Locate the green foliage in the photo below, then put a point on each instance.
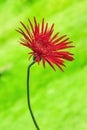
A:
(58, 99)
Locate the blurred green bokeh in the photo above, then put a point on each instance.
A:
(59, 100)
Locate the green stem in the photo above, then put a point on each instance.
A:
(28, 96)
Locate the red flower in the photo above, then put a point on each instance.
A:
(44, 46)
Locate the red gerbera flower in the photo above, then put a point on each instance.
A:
(44, 45)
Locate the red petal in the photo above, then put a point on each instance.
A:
(35, 21)
(42, 30)
(57, 40)
(31, 25)
(50, 64)
(54, 37)
(46, 28)
(27, 29)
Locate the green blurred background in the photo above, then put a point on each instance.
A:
(59, 100)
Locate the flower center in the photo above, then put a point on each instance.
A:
(41, 47)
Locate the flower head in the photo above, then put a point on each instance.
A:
(44, 45)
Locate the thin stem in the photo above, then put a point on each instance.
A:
(28, 96)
